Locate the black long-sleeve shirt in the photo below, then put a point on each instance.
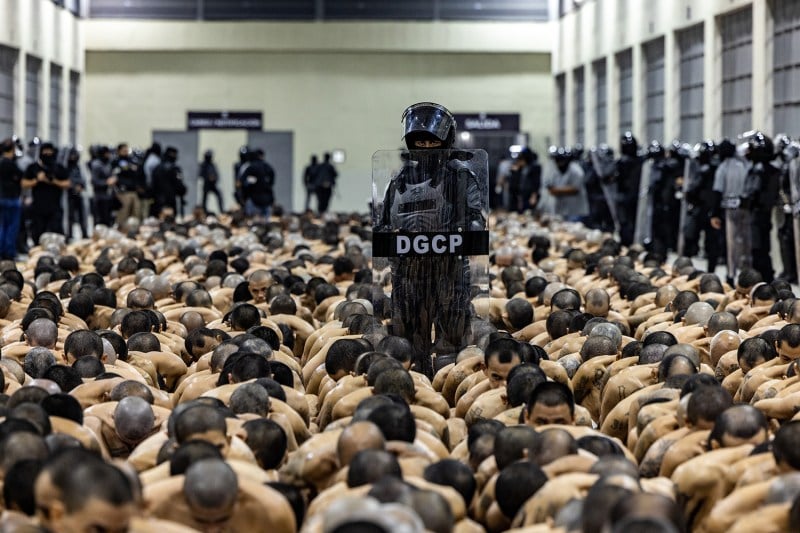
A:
(10, 179)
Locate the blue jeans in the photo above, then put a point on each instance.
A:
(10, 216)
(252, 210)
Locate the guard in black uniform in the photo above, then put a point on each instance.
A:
(629, 172)
(601, 175)
(51, 182)
(765, 180)
(666, 180)
(701, 204)
(786, 151)
(76, 213)
(434, 202)
(168, 186)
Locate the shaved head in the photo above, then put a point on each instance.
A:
(134, 419)
(258, 283)
(665, 295)
(192, 320)
(140, 299)
(722, 343)
(42, 332)
(210, 485)
(698, 314)
(597, 302)
(356, 437)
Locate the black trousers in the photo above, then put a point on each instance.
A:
(76, 214)
(323, 198)
(786, 241)
(626, 211)
(46, 219)
(431, 294)
(102, 210)
(212, 189)
(697, 222)
(762, 225)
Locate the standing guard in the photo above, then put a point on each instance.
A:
(602, 189)
(651, 173)
(794, 187)
(700, 204)
(629, 171)
(762, 186)
(429, 226)
(787, 151)
(76, 212)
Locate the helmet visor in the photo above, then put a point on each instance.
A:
(428, 117)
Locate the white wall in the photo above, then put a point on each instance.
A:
(336, 85)
(39, 28)
(602, 28)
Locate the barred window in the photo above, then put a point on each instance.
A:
(737, 71)
(691, 45)
(654, 90)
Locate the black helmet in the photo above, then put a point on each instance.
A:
(577, 150)
(705, 150)
(760, 148)
(679, 149)
(604, 150)
(782, 146)
(603, 160)
(48, 146)
(655, 150)
(628, 145)
(726, 148)
(781, 142)
(428, 121)
(562, 155)
(528, 155)
(19, 148)
(244, 153)
(707, 146)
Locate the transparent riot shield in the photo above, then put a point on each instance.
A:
(431, 243)
(643, 234)
(794, 184)
(605, 167)
(690, 176)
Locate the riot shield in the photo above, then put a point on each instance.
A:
(643, 233)
(794, 184)
(605, 167)
(431, 243)
(690, 176)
